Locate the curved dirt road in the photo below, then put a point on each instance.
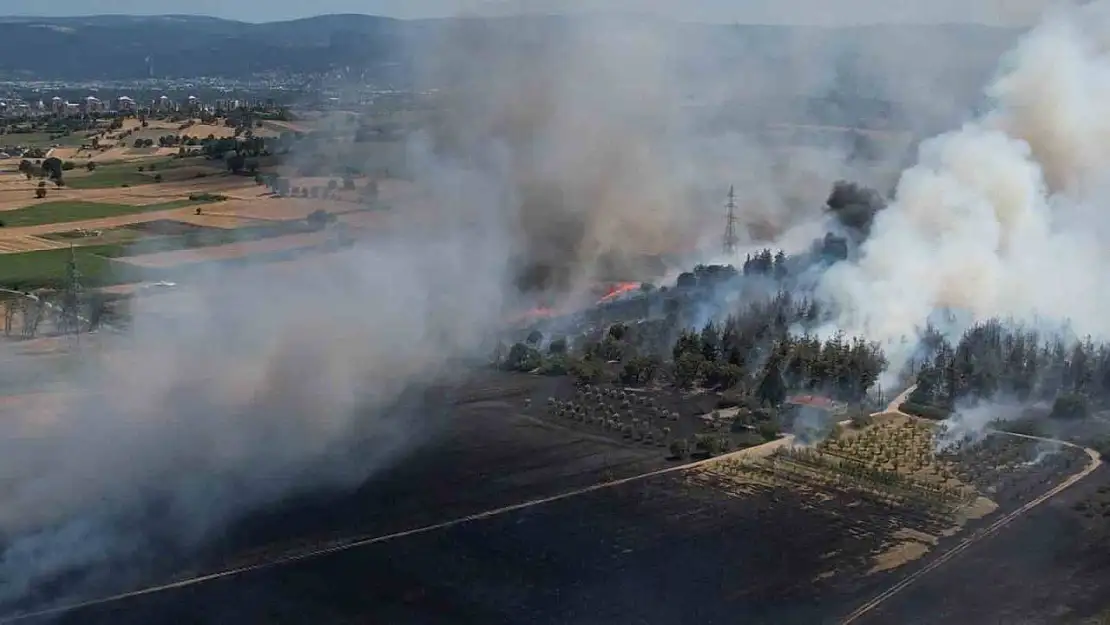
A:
(986, 532)
(363, 541)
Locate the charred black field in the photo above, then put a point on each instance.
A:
(773, 535)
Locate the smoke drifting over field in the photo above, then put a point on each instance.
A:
(1003, 217)
(562, 152)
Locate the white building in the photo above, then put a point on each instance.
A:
(125, 104)
(93, 105)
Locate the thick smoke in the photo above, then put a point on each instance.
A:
(1003, 217)
(564, 150)
(854, 207)
(618, 138)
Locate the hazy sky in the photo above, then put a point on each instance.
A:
(745, 11)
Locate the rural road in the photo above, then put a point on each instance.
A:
(364, 541)
(990, 530)
(358, 542)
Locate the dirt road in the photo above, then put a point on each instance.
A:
(364, 541)
(986, 532)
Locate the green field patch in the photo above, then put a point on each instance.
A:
(83, 237)
(118, 174)
(27, 271)
(47, 268)
(167, 235)
(42, 139)
(107, 179)
(61, 212)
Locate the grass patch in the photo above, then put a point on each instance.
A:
(118, 174)
(110, 179)
(62, 212)
(47, 268)
(42, 139)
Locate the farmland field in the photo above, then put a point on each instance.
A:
(61, 212)
(144, 173)
(42, 139)
(48, 267)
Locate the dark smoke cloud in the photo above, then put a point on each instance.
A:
(854, 207)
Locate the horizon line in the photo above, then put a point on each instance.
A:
(538, 14)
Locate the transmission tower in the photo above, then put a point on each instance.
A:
(71, 297)
(731, 239)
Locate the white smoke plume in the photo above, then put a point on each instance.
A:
(246, 388)
(1003, 217)
(558, 150)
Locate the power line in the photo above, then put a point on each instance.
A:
(731, 240)
(71, 297)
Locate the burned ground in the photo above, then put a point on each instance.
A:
(710, 544)
(661, 550)
(648, 418)
(1047, 567)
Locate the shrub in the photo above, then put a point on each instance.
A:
(206, 197)
(706, 444)
(861, 420)
(748, 439)
(925, 412)
(554, 365)
(680, 448)
(586, 371)
(769, 430)
(1070, 406)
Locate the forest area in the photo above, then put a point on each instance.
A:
(762, 347)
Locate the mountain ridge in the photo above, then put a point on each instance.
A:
(185, 46)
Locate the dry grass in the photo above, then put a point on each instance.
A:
(274, 209)
(16, 243)
(18, 192)
(280, 126)
(114, 154)
(892, 460)
(897, 444)
(900, 554)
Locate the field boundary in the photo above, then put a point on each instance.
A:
(986, 532)
(347, 544)
(364, 541)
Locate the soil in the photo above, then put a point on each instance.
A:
(275, 209)
(666, 414)
(679, 547)
(1044, 568)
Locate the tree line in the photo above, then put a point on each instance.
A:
(993, 360)
(764, 352)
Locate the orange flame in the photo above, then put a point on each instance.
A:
(619, 289)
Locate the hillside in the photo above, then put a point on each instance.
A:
(116, 47)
